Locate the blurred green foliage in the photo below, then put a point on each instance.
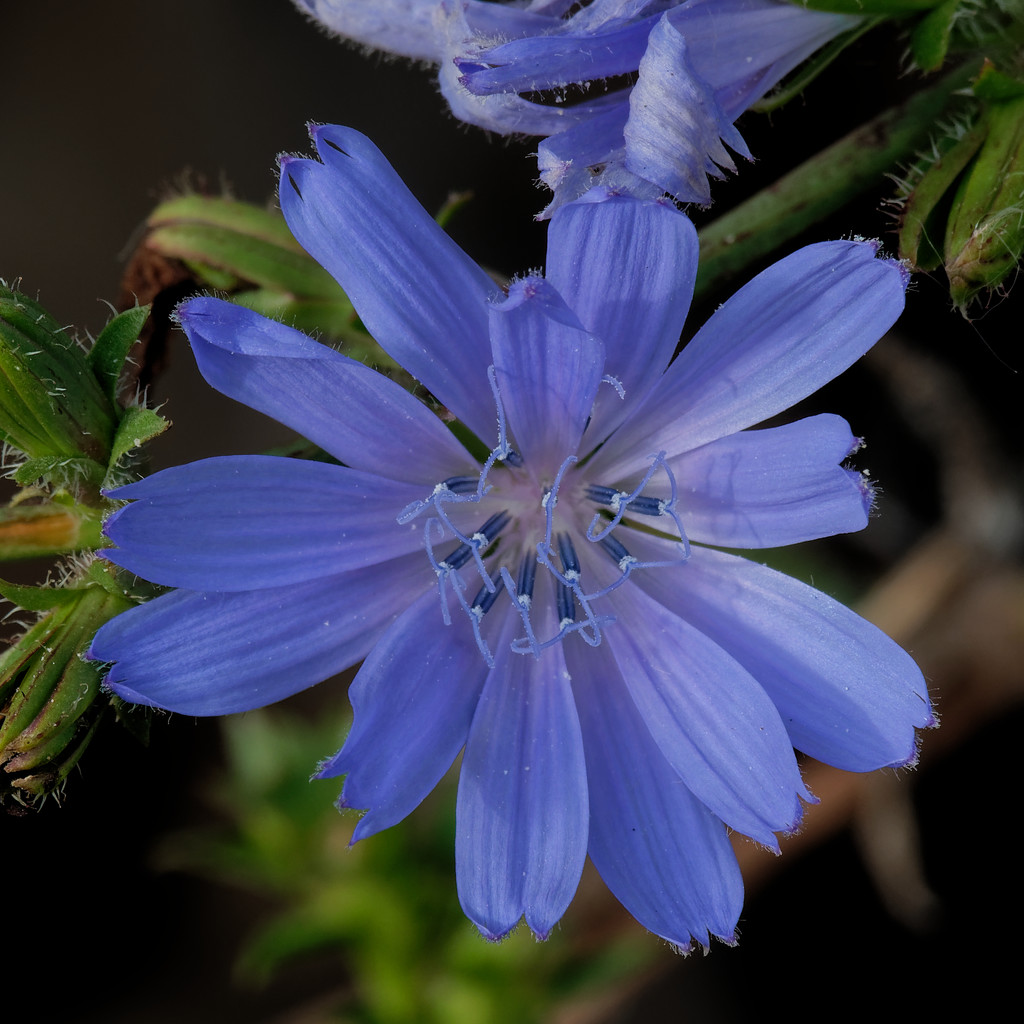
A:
(386, 907)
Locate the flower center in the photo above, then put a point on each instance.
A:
(487, 535)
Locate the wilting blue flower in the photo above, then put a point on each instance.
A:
(654, 86)
(620, 689)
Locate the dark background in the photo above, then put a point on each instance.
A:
(108, 105)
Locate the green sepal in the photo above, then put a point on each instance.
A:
(995, 87)
(923, 220)
(238, 241)
(38, 599)
(985, 233)
(36, 663)
(138, 425)
(929, 42)
(45, 736)
(69, 749)
(50, 402)
(110, 350)
(61, 471)
(46, 687)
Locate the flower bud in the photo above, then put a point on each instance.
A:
(54, 528)
(51, 405)
(985, 232)
(48, 707)
(248, 251)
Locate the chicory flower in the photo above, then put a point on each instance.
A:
(636, 95)
(553, 600)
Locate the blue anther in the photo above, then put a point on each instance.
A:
(602, 495)
(647, 506)
(513, 458)
(458, 558)
(617, 550)
(485, 598)
(493, 526)
(566, 606)
(527, 576)
(567, 553)
(460, 484)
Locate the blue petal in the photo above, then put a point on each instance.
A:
(349, 410)
(778, 339)
(744, 47)
(505, 113)
(626, 269)
(663, 854)
(768, 488)
(847, 693)
(405, 27)
(548, 371)
(560, 58)
(591, 154)
(676, 126)
(417, 292)
(413, 700)
(522, 805)
(214, 654)
(254, 521)
(716, 727)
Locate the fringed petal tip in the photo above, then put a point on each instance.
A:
(903, 267)
(912, 757)
(540, 934)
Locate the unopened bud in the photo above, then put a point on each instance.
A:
(48, 706)
(51, 405)
(985, 234)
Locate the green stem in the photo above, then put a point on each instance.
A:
(822, 184)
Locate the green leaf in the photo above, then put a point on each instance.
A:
(923, 220)
(38, 599)
(929, 41)
(59, 471)
(111, 349)
(137, 426)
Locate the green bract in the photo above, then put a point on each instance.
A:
(985, 233)
(964, 209)
(47, 692)
(51, 404)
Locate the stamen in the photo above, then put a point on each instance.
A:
(485, 598)
(605, 495)
(570, 560)
(622, 558)
(634, 501)
(484, 538)
(647, 506)
(502, 449)
(482, 604)
(460, 484)
(487, 533)
(566, 607)
(615, 383)
(457, 559)
(527, 577)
